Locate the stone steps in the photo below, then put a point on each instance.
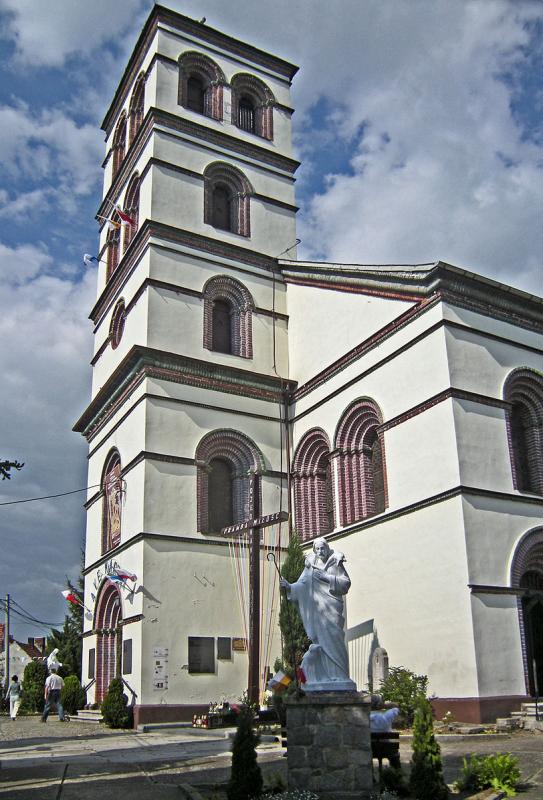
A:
(91, 715)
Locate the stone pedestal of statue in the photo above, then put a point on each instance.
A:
(329, 745)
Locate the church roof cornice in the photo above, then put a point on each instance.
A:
(160, 14)
(146, 362)
(415, 282)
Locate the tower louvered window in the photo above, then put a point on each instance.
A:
(246, 115)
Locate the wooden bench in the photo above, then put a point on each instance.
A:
(386, 744)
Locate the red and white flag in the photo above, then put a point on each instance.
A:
(124, 217)
(71, 597)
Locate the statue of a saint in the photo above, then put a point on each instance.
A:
(52, 660)
(318, 595)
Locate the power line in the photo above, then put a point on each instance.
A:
(29, 620)
(28, 614)
(48, 496)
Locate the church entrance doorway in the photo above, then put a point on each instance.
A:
(532, 611)
(107, 622)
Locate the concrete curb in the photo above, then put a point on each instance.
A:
(461, 737)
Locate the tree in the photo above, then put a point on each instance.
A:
(115, 709)
(295, 640)
(6, 466)
(404, 688)
(33, 683)
(426, 778)
(69, 640)
(245, 778)
(73, 696)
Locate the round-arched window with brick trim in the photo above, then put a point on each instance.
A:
(201, 83)
(117, 324)
(313, 486)
(360, 462)
(252, 105)
(523, 391)
(228, 312)
(227, 194)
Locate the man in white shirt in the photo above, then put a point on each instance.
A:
(53, 686)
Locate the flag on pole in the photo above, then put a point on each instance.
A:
(125, 218)
(89, 260)
(71, 597)
(279, 682)
(124, 575)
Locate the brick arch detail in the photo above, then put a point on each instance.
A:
(358, 426)
(136, 108)
(239, 185)
(107, 615)
(246, 462)
(132, 208)
(111, 483)
(119, 143)
(311, 483)
(524, 387)
(244, 84)
(116, 327)
(113, 242)
(223, 287)
(194, 64)
(528, 555)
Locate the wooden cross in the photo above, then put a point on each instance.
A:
(254, 526)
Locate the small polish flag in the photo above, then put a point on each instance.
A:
(71, 598)
(125, 219)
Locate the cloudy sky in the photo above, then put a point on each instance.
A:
(419, 124)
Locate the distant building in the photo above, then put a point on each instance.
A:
(20, 653)
(396, 409)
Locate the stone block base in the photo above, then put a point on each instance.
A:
(329, 745)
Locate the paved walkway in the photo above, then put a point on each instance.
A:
(78, 761)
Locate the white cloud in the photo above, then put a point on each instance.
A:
(46, 34)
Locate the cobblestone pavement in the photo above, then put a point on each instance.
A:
(78, 761)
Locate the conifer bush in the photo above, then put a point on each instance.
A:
(245, 778)
(33, 684)
(426, 779)
(404, 688)
(115, 709)
(72, 696)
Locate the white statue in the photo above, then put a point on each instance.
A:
(318, 595)
(52, 660)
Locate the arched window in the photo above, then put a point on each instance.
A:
(222, 207)
(527, 573)
(119, 144)
(313, 486)
(131, 209)
(360, 462)
(252, 105)
(524, 391)
(113, 242)
(228, 311)
(113, 495)
(246, 114)
(228, 486)
(226, 198)
(222, 327)
(108, 615)
(220, 494)
(201, 84)
(135, 111)
(116, 328)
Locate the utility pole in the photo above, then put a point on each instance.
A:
(6, 646)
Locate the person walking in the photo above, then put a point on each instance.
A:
(14, 694)
(53, 687)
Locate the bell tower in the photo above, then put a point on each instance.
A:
(190, 365)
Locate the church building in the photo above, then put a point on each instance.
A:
(395, 409)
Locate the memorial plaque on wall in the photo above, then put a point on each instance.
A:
(160, 668)
(239, 645)
(201, 654)
(224, 647)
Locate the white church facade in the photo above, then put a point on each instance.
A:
(398, 410)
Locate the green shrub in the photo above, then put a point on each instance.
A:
(405, 689)
(393, 781)
(73, 696)
(115, 709)
(33, 685)
(498, 771)
(245, 777)
(426, 779)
